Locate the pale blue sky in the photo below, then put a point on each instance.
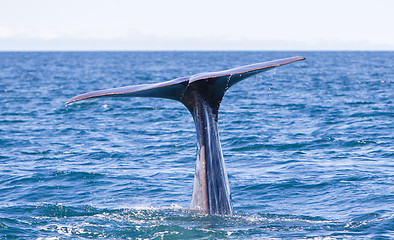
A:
(196, 25)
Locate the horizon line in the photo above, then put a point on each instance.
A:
(196, 50)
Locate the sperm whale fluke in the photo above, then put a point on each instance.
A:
(201, 94)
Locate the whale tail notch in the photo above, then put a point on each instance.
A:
(201, 94)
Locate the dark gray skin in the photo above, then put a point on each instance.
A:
(201, 94)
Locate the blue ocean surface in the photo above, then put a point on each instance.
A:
(309, 147)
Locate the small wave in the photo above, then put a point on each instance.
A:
(355, 143)
(357, 103)
(147, 222)
(266, 146)
(371, 114)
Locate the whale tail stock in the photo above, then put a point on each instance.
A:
(201, 94)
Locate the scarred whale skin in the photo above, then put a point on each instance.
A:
(201, 94)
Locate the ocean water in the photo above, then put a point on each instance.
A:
(309, 147)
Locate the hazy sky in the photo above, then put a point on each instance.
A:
(196, 25)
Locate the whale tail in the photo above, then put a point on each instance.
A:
(175, 89)
(201, 94)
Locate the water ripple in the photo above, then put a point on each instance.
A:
(308, 148)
